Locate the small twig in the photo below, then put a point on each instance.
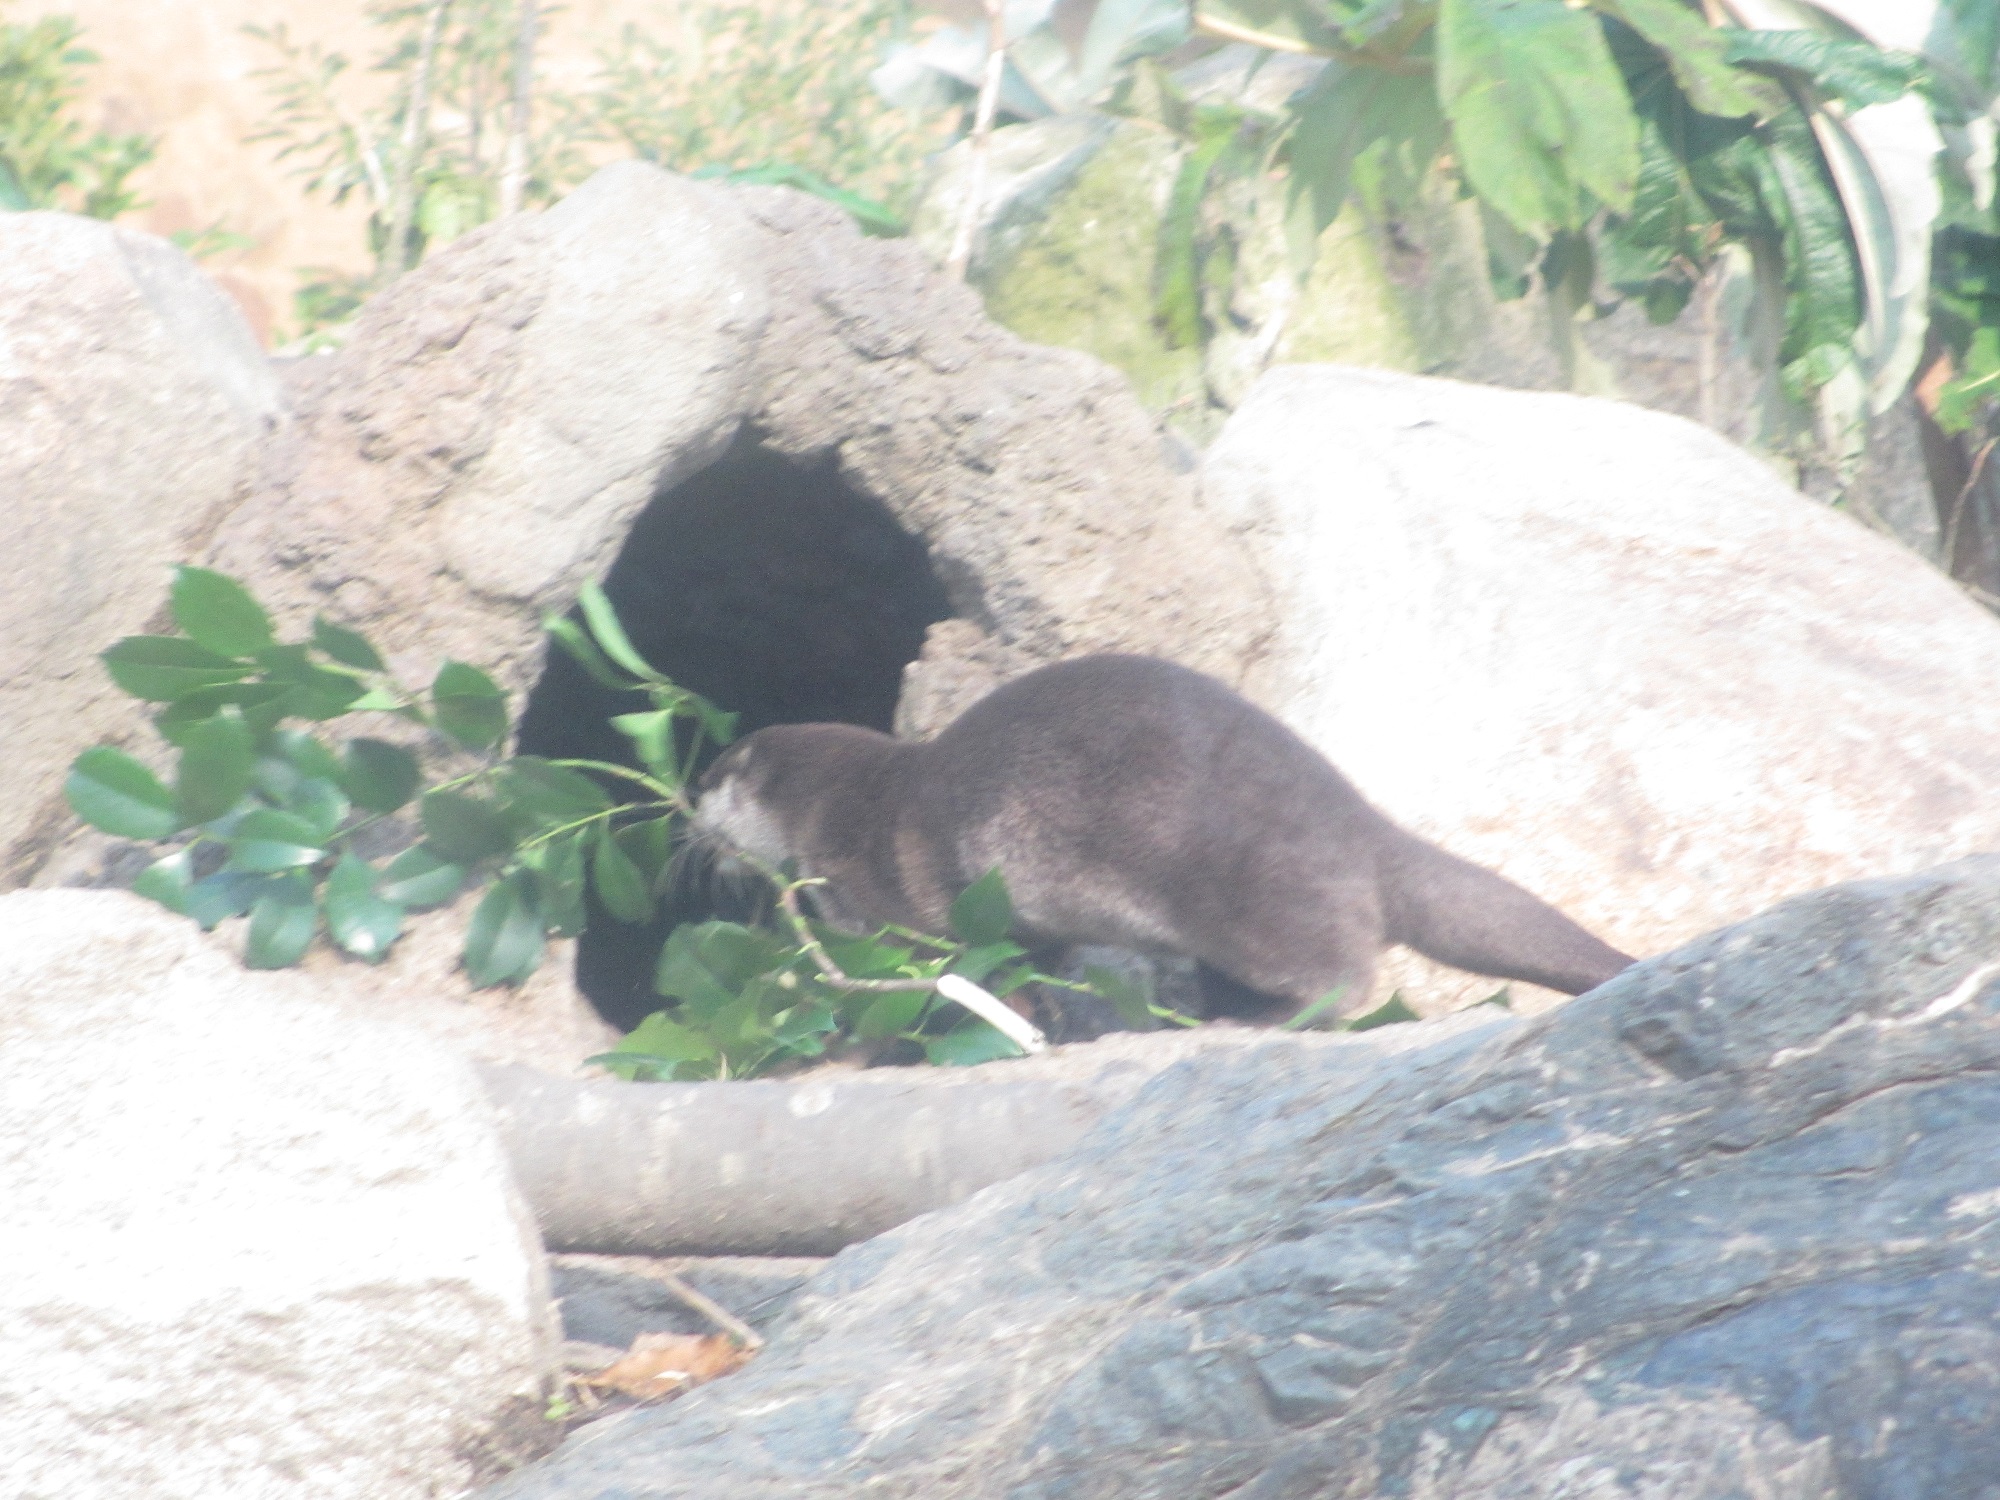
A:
(514, 157)
(982, 135)
(416, 123)
(956, 988)
(712, 1310)
(788, 898)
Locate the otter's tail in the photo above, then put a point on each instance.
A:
(1452, 910)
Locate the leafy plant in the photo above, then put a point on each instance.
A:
(263, 816)
(47, 159)
(767, 93)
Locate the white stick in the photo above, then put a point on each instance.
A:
(994, 1012)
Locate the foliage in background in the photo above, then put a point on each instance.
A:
(763, 97)
(47, 158)
(461, 104)
(1617, 149)
(265, 817)
(759, 88)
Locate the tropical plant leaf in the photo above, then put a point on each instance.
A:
(217, 613)
(1858, 73)
(1698, 54)
(1539, 115)
(1346, 115)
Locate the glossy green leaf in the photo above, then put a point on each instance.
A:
(217, 612)
(420, 876)
(216, 759)
(621, 884)
(650, 846)
(313, 691)
(224, 894)
(1540, 119)
(658, 1047)
(979, 961)
(1127, 996)
(260, 703)
(306, 752)
(361, 921)
(575, 640)
(706, 965)
(1344, 116)
(282, 922)
(267, 841)
(1856, 72)
(559, 861)
(377, 775)
(553, 794)
(503, 943)
(345, 646)
(1391, 1012)
(167, 880)
(610, 635)
(320, 803)
(893, 1013)
(970, 1042)
(1698, 54)
(464, 829)
(652, 737)
(162, 668)
(983, 912)
(113, 793)
(469, 706)
(1322, 1013)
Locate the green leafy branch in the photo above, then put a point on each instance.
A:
(263, 817)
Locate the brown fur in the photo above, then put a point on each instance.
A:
(1130, 801)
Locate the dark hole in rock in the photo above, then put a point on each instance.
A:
(773, 588)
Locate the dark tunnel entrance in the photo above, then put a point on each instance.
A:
(773, 588)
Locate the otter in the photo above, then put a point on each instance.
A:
(1129, 801)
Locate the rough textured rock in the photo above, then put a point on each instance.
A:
(1723, 1227)
(252, 1246)
(502, 414)
(1604, 651)
(131, 395)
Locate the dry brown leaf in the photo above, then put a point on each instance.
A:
(659, 1365)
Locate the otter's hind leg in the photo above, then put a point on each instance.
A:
(1296, 951)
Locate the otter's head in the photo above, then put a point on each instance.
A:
(736, 810)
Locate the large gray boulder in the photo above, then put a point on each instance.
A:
(1721, 1228)
(252, 1246)
(132, 395)
(1604, 651)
